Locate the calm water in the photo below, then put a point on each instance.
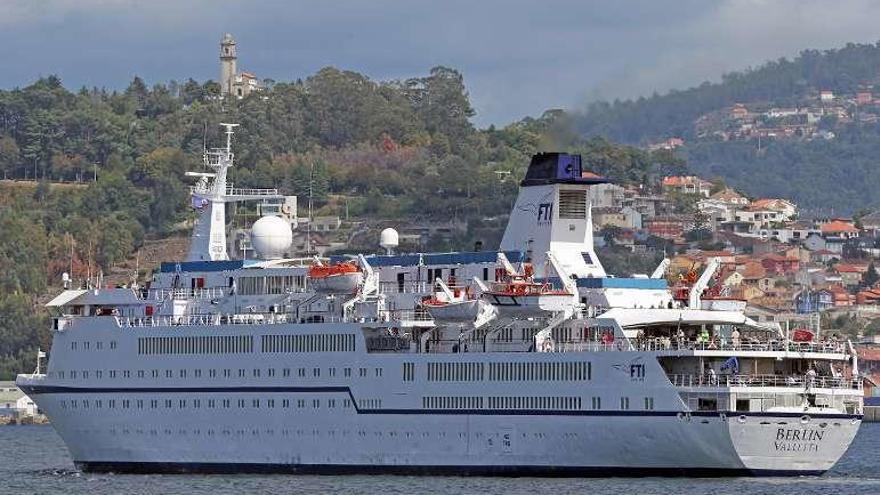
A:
(34, 460)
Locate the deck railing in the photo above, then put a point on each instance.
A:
(790, 381)
(210, 319)
(660, 344)
(181, 293)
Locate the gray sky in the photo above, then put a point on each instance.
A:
(518, 58)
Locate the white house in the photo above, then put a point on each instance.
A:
(14, 402)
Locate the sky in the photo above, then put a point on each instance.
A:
(518, 57)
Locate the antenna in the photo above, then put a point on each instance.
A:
(230, 130)
(205, 141)
(309, 229)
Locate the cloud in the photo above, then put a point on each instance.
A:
(518, 57)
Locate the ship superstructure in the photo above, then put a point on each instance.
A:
(528, 360)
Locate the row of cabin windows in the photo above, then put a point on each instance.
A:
(314, 432)
(455, 372)
(549, 403)
(212, 373)
(86, 345)
(330, 342)
(205, 344)
(209, 403)
(276, 284)
(554, 403)
(452, 402)
(561, 371)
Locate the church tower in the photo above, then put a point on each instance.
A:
(228, 64)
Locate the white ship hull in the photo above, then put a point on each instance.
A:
(376, 420)
(460, 442)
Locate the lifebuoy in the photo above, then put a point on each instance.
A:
(285, 209)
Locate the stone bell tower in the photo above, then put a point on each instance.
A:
(228, 64)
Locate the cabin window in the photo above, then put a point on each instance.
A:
(707, 404)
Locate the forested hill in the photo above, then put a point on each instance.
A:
(394, 151)
(782, 83)
(768, 131)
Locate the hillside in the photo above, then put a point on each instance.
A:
(806, 128)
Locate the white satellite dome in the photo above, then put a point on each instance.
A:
(389, 239)
(271, 237)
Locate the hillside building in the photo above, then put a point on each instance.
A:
(232, 82)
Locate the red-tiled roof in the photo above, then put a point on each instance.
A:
(838, 227)
(753, 270)
(681, 180)
(868, 353)
(774, 204)
(850, 268)
(778, 257)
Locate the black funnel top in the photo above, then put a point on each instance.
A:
(558, 168)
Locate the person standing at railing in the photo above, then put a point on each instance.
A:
(810, 378)
(734, 338)
(703, 338)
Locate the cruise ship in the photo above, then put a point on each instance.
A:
(525, 360)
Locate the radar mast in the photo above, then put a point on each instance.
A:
(211, 194)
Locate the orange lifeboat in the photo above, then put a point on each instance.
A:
(337, 278)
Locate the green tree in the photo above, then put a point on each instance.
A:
(9, 155)
(870, 277)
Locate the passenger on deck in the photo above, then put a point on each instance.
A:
(734, 338)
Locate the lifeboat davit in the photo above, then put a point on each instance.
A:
(340, 278)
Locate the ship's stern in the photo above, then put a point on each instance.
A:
(770, 444)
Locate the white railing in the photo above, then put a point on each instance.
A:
(587, 346)
(203, 320)
(793, 381)
(239, 191)
(187, 294)
(661, 344)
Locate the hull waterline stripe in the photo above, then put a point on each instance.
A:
(49, 389)
(337, 469)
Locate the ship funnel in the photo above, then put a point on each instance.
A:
(552, 213)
